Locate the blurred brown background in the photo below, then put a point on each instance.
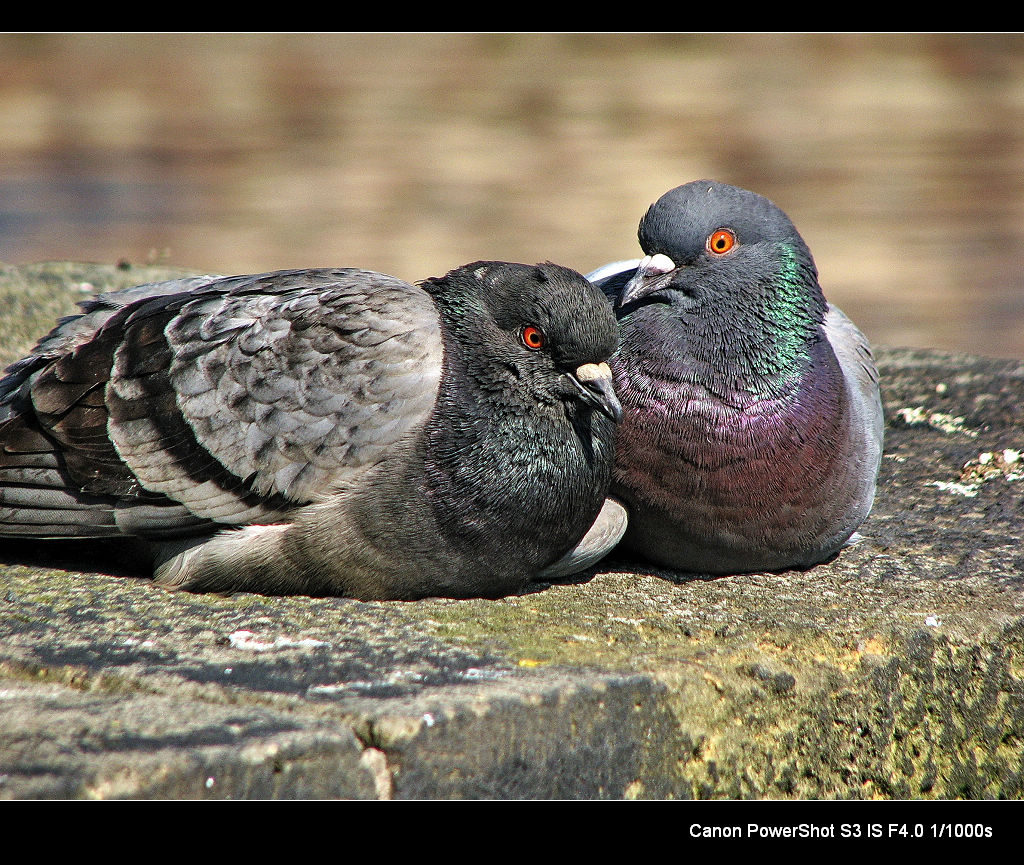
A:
(900, 157)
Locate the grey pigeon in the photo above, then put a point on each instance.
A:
(752, 428)
(325, 432)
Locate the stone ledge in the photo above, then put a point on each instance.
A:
(893, 672)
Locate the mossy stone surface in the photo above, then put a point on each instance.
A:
(893, 672)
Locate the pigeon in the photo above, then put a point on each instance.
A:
(326, 431)
(752, 429)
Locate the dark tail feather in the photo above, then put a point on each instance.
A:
(34, 502)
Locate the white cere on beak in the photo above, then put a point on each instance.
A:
(652, 265)
(593, 371)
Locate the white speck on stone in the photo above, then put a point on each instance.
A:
(329, 689)
(246, 640)
(428, 719)
(933, 621)
(941, 387)
(475, 673)
(968, 490)
(400, 678)
(210, 782)
(919, 416)
(229, 670)
(989, 465)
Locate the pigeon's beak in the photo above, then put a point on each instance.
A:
(647, 278)
(594, 382)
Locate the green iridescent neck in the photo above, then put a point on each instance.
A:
(764, 338)
(793, 308)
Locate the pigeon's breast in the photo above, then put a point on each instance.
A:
(689, 440)
(724, 478)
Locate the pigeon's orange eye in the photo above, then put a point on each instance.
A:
(533, 337)
(721, 241)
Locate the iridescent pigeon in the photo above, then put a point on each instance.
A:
(325, 431)
(752, 428)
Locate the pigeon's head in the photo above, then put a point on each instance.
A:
(708, 243)
(543, 326)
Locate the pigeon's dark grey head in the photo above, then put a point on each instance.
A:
(721, 244)
(543, 326)
(680, 223)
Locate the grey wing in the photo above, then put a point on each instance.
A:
(853, 352)
(299, 392)
(75, 330)
(239, 400)
(50, 462)
(612, 278)
(601, 538)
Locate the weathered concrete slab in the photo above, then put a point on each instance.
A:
(893, 672)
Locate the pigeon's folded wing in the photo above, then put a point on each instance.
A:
(232, 399)
(853, 352)
(608, 273)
